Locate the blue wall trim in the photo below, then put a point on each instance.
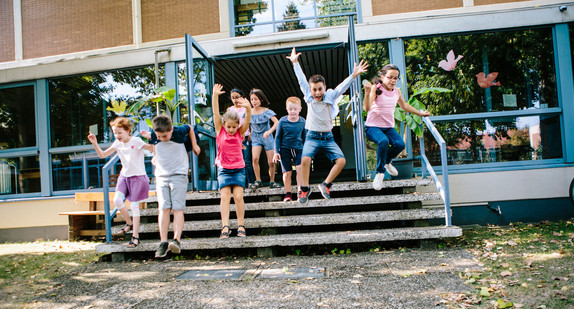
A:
(563, 60)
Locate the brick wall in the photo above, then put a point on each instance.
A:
(385, 7)
(65, 26)
(6, 31)
(486, 2)
(170, 19)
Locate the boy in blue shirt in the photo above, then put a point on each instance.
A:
(289, 144)
(321, 110)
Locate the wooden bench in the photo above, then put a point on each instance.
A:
(85, 224)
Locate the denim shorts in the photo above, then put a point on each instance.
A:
(321, 141)
(258, 140)
(231, 177)
(290, 157)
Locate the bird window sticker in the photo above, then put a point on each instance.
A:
(450, 63)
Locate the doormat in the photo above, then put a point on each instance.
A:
(236, 274)
(292, 273)
(212, 274)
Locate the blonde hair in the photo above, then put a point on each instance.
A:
(294, 100)
(230, 116)
(122, 122)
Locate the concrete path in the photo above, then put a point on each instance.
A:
(415, 278)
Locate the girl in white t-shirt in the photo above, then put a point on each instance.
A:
(133, 183)
(380, 101)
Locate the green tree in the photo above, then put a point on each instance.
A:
(291, 12)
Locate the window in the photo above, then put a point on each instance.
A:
(17, 117)
(258, 16)
(19, 175)
(510, 74)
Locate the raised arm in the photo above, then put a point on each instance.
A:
(102, 154)
(243, 102)
(217, 90)
(301, 78)
(343, 86)
(408, 108)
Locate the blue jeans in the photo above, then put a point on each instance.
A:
(389, 145)
(249, 174)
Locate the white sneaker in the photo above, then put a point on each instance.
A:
(391, 169)
(378, 182)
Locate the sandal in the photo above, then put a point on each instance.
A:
(133, 244)
(125, 229)
(274, 185)
(223, 234)
(241, 233)
(256, 185)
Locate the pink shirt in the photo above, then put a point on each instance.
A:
(229, 153)
(382, 112)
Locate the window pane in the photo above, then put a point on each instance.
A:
(253, 30)
(79, 104)
(335, 7)
(290, 9)
(498, 71)
(252, 11)
(17, 117)
(19, 175)
(496, 140)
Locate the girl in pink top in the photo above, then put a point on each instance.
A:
(229, 160)
(380, 101)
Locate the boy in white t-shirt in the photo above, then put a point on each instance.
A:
(133, 183)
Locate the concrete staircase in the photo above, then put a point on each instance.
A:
(355, 214)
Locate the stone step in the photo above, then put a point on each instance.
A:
(343, 186)
(290, 240)
(309, 220)
(319, 203)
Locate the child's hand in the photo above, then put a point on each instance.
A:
(92, 138)
(294, 57)
(196, 150)
(276, 158)
(361, 68)
(424, 113)
(266, 134)
(218, 89)
(243, 102)
(145, 134)
(367, 85)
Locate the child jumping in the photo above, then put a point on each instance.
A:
(236, 95)
(289, 145)
(229, 160)
(133, 183)
(380, 102)
(171, 170)
(262, 136)
(321, 110)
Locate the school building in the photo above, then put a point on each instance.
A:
(508, 121)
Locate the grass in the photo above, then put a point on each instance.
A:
(524, 266)
(23, 276)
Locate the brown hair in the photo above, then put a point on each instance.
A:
(230, 116)
(375, 81)
(162, 123)
(388, 67)
(294, 100)
(317, 79)
(122, 122)
(259, 93)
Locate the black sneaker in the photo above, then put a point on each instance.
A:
(162, 250)
(175, 246)
(325, 191)
(304, 196)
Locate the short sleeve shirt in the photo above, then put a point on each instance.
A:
(131, 155)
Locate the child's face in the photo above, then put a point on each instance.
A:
(120, 134)
(164, 136)
(317, 90)
(231, 127)
(255, 100)
(293, 109)
(235, 98)
(390, 79)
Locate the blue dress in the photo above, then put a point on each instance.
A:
(259, 124)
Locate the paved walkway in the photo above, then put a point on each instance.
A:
(389, 279)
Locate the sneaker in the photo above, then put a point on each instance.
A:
(162, 250)
(325, 191)
(391, 169)
(378, 182)
(299, 194)
(287, 198)
(175, 246)
(304, 197)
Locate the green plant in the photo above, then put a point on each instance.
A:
(162, 94)
(414, 121)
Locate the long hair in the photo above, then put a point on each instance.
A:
(259, 93)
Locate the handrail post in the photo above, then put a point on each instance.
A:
(444, 165)
(108, 216)
(423, 155)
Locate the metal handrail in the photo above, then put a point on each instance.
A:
(108, 217)
(443, 188)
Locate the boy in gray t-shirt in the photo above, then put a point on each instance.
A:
(321, 109)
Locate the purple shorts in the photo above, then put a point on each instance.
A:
(135, 188)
